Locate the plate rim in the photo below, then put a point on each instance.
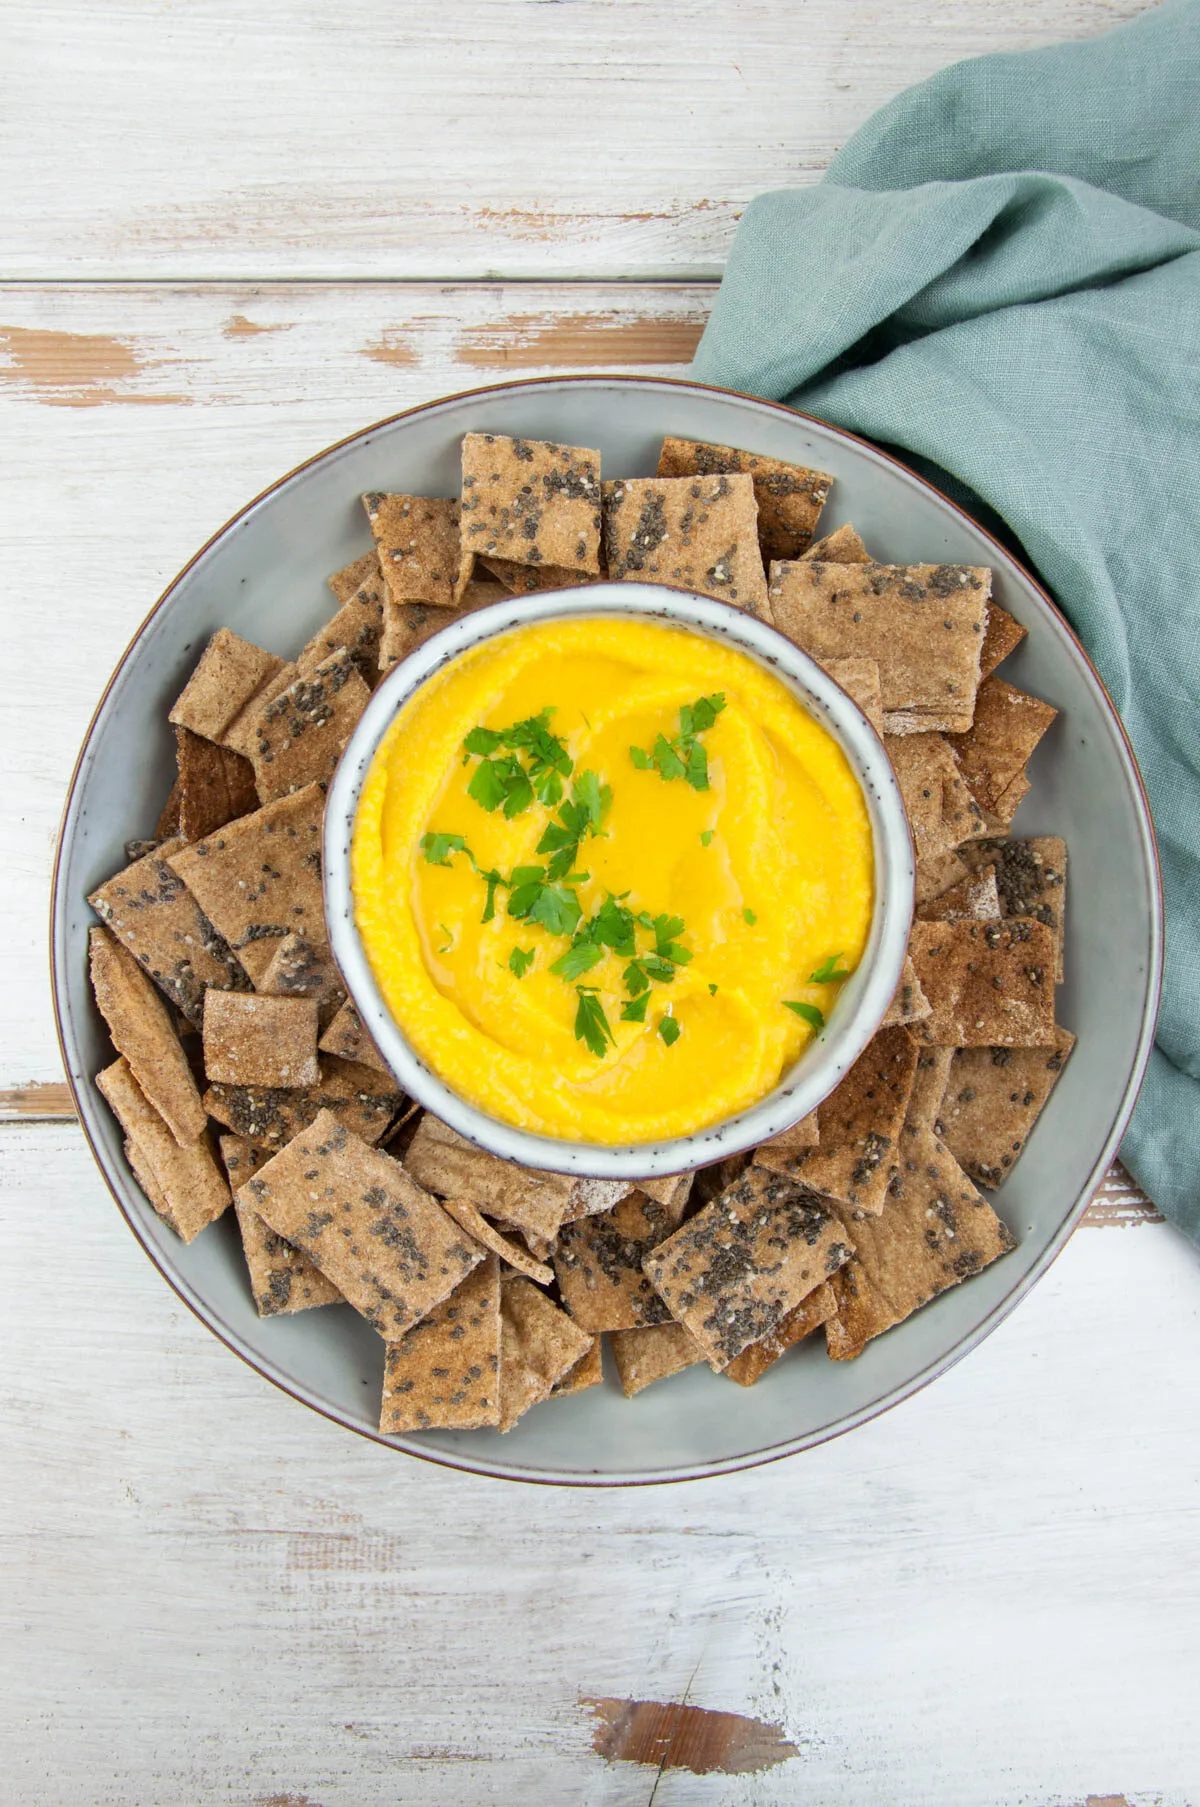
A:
(465, 1463)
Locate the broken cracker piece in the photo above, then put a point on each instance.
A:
(357, 626)
(973, 898)
(476, 1225)
(282, 1280)
(587, 1372)
(446, 1163)
(599, 1264)
(188, 1177)
(241, 732)
(351, 577)
(859, 678)
(909, 1003)
(347, 1037)
(300, 734)
(1003, 636)
(297, 969)
(989, 983)
(929, 1085)
(230, 671)
(363, 1100)
(995, 750)
(1031, 877)
(843, 546)
(655, 1353)
(690, 533)
(539, 1345)
(790, 497)
(530, 501)
(523, 580)
(142, 1030)
(992, 1099)
(859, 1124)
(800, 1322)
(215, 785)
(387, 1246)
(742, 1263)
(788, 1144)
(260, 1041)
(444, 1374)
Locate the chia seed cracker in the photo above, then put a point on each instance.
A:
(446, 1163)
(357, 627)
(300, 734)
(989, 983)
(995, 750)
(359, 571)
(530, 501)
(215, 785)
(801, 1321)
(860, 1124)
(417, 538)
(230, 671)
(844, 546)
(251, 1040)
(598, 1263)
(142, 1030)
(346, 1037)
(444, 1373)
(516, 1256)
(690, 533)
(909, 1003)
(361, 1099)
(1003, 636)
(1031, 877)
(992, 1099)
(790, 497)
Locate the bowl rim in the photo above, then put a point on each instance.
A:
(863, 1000)
(452, 1458)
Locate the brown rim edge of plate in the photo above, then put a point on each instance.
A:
(823, 1433)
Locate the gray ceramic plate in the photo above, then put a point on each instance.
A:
(263, 575)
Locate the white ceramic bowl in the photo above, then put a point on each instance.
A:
(264, 575)
(863, 999)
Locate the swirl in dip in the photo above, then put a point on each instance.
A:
(623, 909)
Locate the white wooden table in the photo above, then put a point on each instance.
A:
(232, 231)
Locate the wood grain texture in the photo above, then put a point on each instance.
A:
(295, 139)
(986, 1598)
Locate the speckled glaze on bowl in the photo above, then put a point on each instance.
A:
(264, 576)
(864, 998)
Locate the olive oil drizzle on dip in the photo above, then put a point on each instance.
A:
(610, 876)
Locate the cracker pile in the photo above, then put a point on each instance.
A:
(243, 1075)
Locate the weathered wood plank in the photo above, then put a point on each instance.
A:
(292, 139)
(291, 1613)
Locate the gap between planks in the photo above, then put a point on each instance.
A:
(1119, 1201)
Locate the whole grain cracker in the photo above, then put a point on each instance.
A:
(989, 983)
(1031, 877)
(387, 1246)
(242, 731)
(941, 811)
(297, 969)
(656, 1353)
(251, 1040)
(995, 750)
(669, 1189)
(150, 909)
(730, 1273)
(418, 542)
(598, 1263)
(346, 1037)
(859, 678)
(282, 1280)
(215, 785)
(446, 1163)
(539, 1345)
(259, 879)
(476, 1225)
(531, 501)
(359, 1097)
(444, 1373)
(1003, 636)
(936, 875)
(300, 735)
(859, 1124)
(587, 1372)
(523, 580)
(188, 1177)
(790, 497)
(923, 623)
(935, 1232)
(973, 898)
(993, 1098)
(230, 671)
(690, 533)
(800, 1322)
(351, 577)
(357, 626)
(929, 1085)
(781, 1150)
(143, 1173)
(590, 1197)
(142, 1030)
(843, 546)
(909, 1003)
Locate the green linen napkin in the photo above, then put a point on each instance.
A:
(1000, 278)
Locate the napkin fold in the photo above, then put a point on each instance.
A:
(999, 278)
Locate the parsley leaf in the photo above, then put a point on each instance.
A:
(683, 757)
(614, 927)
(636, 982)
(635, 1010)
(579, 958)
(556, 908)
(809, 1012)
(492, 880)
(706, 835)
(712, 991)
(591, 1024)
(641, 758)
(669, 1029)
(592, 797)
(483, 741)
(435, 847)
(520, 961)
(658, 969)
(750, 917)
(828, 971)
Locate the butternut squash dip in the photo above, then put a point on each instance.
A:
(610, 876)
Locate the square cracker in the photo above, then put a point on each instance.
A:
(364, 569)
(346, 1037)
(254, 1040)
(742, 1263)
(990, 983)
(1003, 636)
(844, 546)
(859, 1124)
(215, 785)
(598, 1263)
(909, 1003)
(387, 1246)
(690, 533)
(300, 734)
(188, 1178)
(789, 496)
(1031, 877)
(935, 1231)
(940, 809)
(282, 1280)
(800, 1322)
(444, 1373)
(242, 730)
(923, 623)
(446, 1163)
(859, 678)
(539, 1345)
(992, 1099)
(230, 671)
(644, 1356)
(995, 750)
(259, 879)
(357, 626)
(142, 1030)
(531, 501)
(150, 908)
(364, 1101)
(418, 542)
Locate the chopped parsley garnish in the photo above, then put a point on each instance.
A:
(579, 958)
(669, 1029)
(809, 1012)
(683, 757)
(591, 1024)
(828, 971)
(581, 816)
(520, 961)
(635, 1010)
(449, 934)
(438, 847)
(501, 781)
(750, 917)
(706, 835)
(712, 991)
